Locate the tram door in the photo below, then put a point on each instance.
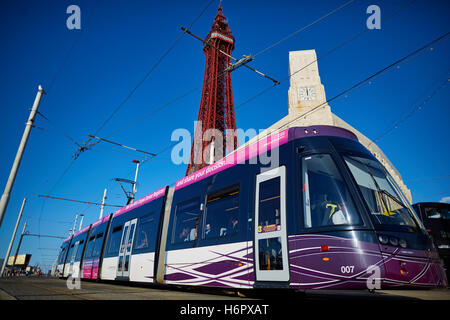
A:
(126, 245)
(271, 252)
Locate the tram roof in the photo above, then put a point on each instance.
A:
(262, 145)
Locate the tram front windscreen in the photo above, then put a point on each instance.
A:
(387, 205)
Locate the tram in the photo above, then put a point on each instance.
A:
(436, 218)
(303, 208)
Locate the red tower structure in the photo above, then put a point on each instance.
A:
(215, 132)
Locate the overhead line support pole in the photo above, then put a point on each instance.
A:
(13, 237)
(18, 246)
(15, 167)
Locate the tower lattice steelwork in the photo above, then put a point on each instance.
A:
(215, 132)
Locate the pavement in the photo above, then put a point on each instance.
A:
(43, 288)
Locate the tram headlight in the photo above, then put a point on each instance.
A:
(402, 243)
(383, 239)
(393, 241)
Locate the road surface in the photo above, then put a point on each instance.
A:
(43, 288)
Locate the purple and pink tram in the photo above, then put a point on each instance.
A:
(304, 208)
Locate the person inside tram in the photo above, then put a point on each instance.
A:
(337, 215)
(192, 234)
(234, 225)
(207, 229)
(143, 240)
(329, 210)
(183, 236)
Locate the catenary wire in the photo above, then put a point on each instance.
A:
(200, 86)
(267, 89)
(342, 44)
(147, 74)
(304, 28)
(123, 101)
(413, 111)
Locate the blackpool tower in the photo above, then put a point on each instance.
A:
(215, 132)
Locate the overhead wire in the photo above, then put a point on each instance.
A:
(147, 74)
(379, 72)
(339, 95)
(122, 145)
(413, 110)
(83, 146)
(352, 88)
(186, 30)
(69, 53)
(268, 88)
(57, 128)
(339, 46)
(304, 28)
(329, 52)
(288, 77)
(49, 89)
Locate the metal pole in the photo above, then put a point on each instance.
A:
(12, 175)
(18, 247)
(13, 236)
(135, 179)
(103, 204)
(81, 221)
(75, 224)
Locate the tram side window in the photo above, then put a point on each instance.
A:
(62, 255)
(437, 213)
(90, 246)
(222, 214)
(186, 222)
(79, 251)
(98, 245)
(114, 243)
(144, 231)
(69, 254)
(326, 198)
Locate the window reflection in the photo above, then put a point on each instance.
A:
(270, 255)
(186, 222)
(222, 214)
(326, 198)
(386, 205)
(269, 205)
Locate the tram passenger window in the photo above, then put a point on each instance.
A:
(326, 198)
(269, 205)
(80, 251)
(61, 255)
(186, 222)
(69, 254)
(98, 245)
(90, 247)
(114, 243)
(145, 229)
(222, 214)
(437, 213)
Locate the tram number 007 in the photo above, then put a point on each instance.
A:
(347, 269)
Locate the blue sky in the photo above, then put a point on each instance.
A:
(120, 41)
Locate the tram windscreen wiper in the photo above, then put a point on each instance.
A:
(395, 199)
(388, 203)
